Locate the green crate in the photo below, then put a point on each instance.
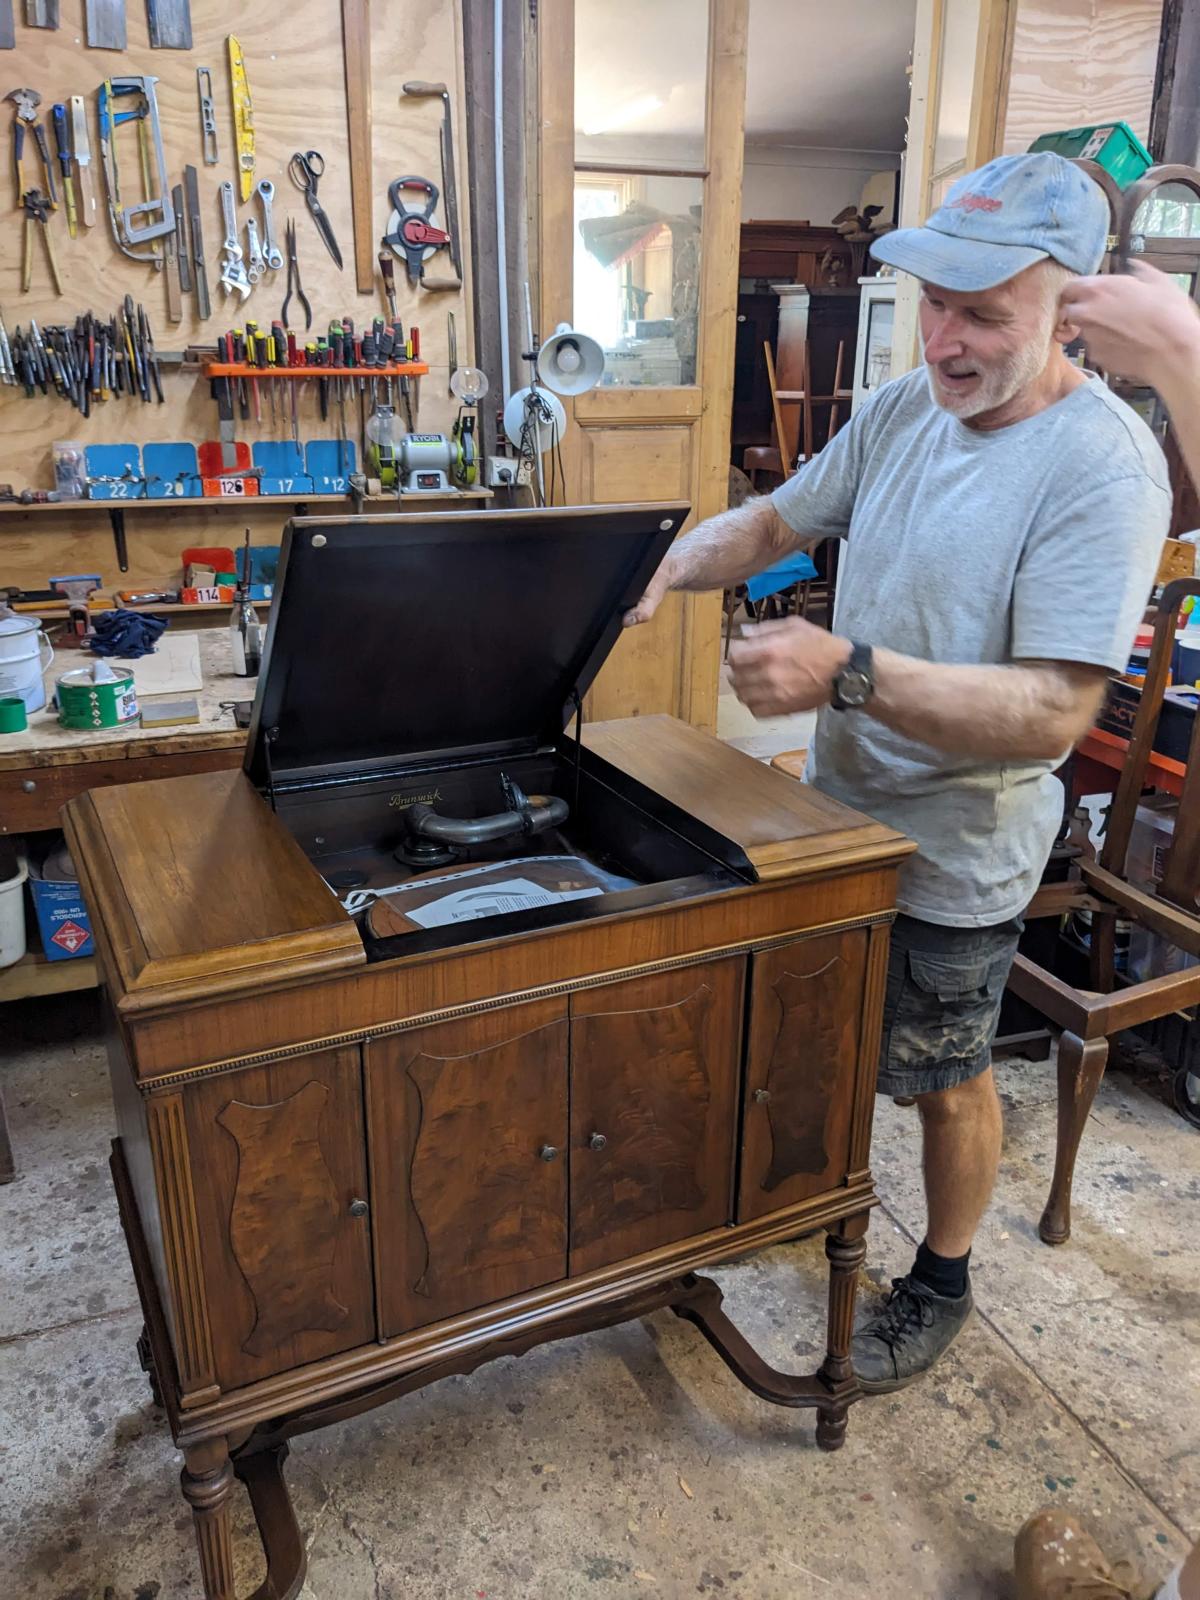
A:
(1112, 145)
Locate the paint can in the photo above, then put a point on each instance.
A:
(96, 697)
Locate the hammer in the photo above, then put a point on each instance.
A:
(420, 90)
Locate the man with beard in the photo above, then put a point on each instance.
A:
(1003, 516)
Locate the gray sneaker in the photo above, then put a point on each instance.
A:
(911, 1334)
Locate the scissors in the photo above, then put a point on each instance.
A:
(306, 168)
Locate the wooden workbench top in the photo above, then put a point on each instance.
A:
(47, 744)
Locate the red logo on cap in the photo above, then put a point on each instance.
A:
(976, 202)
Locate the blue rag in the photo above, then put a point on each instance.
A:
(127, 634)
(796, 568)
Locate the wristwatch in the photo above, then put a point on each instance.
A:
(854, 685)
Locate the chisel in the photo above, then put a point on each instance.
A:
(62, 144)
(82, 148)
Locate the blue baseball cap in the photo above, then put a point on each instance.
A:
(1007, 216)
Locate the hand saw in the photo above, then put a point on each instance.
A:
(243, 117)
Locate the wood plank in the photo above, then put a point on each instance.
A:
(1064, 1006)
(296, 107)
(1158, 997)
(356, 57)
(700, 640)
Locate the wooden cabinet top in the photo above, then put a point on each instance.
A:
(198, 890)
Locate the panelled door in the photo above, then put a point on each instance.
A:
(468, 1134)
(640, 163)
(654, 1072)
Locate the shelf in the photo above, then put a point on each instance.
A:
(100, 603)
(34, 975)
(234, 502)
(242, 369)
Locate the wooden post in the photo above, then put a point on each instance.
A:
(1175, 115)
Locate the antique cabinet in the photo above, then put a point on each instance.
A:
(384, 1115)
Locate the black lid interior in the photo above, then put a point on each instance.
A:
(401, 638)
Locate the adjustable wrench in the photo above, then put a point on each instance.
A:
(271, 250)
(256, 263)
(234, 279)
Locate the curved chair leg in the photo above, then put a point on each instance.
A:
(1081, 1064)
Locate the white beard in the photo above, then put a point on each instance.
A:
(1000, 383)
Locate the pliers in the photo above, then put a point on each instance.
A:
(294, 285)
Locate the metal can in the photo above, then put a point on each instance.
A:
(84, 703)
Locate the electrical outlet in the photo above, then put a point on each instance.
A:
(502, 472)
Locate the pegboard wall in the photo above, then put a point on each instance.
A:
(294, 65)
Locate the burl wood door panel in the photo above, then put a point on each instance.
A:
(806, 1002)
(278, 1157)
(654, 1070)
(468, 1128)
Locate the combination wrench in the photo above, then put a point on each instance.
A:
(271, 251)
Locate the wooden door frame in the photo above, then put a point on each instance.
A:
(712, 393)
(985, 135)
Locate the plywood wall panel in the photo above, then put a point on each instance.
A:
(294, 63)
(1081, 61)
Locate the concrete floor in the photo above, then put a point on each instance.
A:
(629, 1463)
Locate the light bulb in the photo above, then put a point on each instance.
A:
(469, 384)
(568, 357)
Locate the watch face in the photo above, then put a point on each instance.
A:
(854, 688)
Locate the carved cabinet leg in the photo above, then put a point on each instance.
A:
(845, 1248)
(207, 1481)
(1081, 1064)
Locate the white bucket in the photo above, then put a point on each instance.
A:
(25, 654)
(12, 917)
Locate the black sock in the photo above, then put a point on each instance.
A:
(945, 1275)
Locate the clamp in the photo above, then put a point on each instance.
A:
(410, 233)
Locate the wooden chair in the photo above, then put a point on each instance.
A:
(780, 457)
(1089, 1018)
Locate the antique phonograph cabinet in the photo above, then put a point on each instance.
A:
(447, 1026)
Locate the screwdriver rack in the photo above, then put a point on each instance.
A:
(243, 369)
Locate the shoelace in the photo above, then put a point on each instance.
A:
(909, 1308)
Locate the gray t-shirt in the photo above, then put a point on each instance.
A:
(1038, 541)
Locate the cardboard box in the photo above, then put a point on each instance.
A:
(62, 917)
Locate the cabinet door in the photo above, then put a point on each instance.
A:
(277, 1157)
(468, 1125)
(806, 1005)
(654, 1068)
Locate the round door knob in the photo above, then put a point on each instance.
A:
(549, 1152)
(28, 785)
(762, 1096)
(358, 1208)
(597, 1142)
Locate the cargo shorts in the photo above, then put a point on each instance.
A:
(942, 1003)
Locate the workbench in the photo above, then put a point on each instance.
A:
(47, 765)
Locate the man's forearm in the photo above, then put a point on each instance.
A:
(1180, 390)
(730, 547)
(1030, 712)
